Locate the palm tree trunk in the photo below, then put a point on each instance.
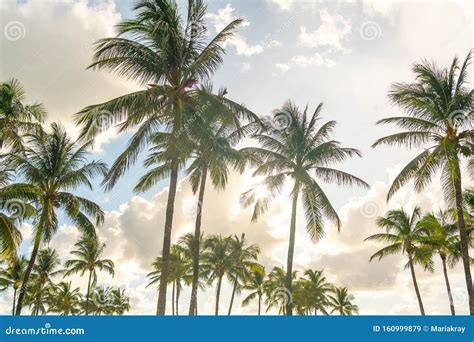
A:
(26, 277)
(448, 287)
(464, 240)
(259, 303)
(165, 259)
(415, 284)
(315, 312)
(197, 235)
(38, 301)
(218, 294)
(291, 250)
(14, 300)
(232, 298)
(88, 292)
(172, 298)
(177, 297)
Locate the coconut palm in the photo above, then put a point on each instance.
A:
(342, 302)
(314, 292)
(120, 301)
(88, 258)
(276, 292)
(14, 212)
(187, 244)
(244, 257)
(16, 117)
(403, 235)
(214, 137)
(442, 239)
(64, 300)
(52, 166)
(170, 56)
(180, 268)
(102, 301)
(12, 276)
(439, 120)
(45, 269)
(217, 261)
(254, 282)
(301, 151)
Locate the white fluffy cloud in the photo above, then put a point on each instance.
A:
(331, 32)
(47, 45)
(224, 16)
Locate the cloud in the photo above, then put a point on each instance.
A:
(330, 33)
(222, 18)
(305, 61)
(49, 53)
(282, 4)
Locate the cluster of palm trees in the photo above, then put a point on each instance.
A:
(439, 119)
(188, 127)
(422, 238)
(231, 258)
(43, 295)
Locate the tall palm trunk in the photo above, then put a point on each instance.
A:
(464, 240)
(259, 303)
(415, 284)
(28, 270)
(14, 300)
(197, 235)
(38, 301)
(88, 292)
(177, 297)
(165, 259)
(172, 298)
(218, 294)
(232, 298)
(291, 250)
(448, 287)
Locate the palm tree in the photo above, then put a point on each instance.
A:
(170, 57)
(44, 270)
(217, 261)
(187, 244)
(439, 119)
(17, 118)
(102, 301)
(314, 292)
(120, 301)
(254, 283)
(403, 235)
(214, 136)
(341, 302)
(302, 153)
(52, 166)
(276, 292)
(64, 300)
(244, 258)
(12, 276)
(12, 213)
(88, 255)
(442, 238)
(180, 267)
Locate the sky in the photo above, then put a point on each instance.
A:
(344, 54)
